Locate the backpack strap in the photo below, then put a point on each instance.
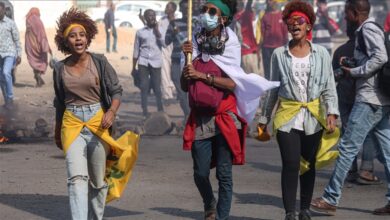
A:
(360, 37)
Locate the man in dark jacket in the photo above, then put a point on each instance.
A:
(109, 19)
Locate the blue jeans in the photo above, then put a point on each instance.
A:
(86, 165)
(6, 65)
(363, 119)
(202, 151)
(108, 36)
(369, 150)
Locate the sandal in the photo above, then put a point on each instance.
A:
(370, 179)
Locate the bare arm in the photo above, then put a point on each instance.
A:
(109, 115)
(134, 63)
(189, 73)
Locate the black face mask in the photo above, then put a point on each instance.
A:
(213, 45)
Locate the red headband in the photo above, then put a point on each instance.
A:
(303, 15)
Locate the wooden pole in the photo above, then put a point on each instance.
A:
(189, 30)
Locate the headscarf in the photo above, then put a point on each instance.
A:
(33, 11)
(222, 6)
(301, 14)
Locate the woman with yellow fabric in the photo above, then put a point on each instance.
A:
(87, 96)
(307, 106)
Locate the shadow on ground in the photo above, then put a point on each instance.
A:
(51, 206)
(259, 199)
(325, 174)
(196, 215)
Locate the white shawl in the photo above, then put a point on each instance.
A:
(249, 87)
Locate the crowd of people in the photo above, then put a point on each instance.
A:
(218, 81)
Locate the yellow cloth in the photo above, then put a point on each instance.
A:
(259, 37)
(288, 109)
(123, 152)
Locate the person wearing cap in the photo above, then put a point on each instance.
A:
(216, 135)
(87, 94)
(307, 110)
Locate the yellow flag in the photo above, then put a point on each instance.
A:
(325, 156)
(123, 152)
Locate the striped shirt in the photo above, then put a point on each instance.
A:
(9, 35)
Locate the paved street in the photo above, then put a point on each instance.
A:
(33, 185)
(33, 175)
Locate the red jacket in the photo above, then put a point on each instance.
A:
(235, 138)
(387, 23)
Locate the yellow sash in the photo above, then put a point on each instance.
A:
(123, 155)
(288, 109)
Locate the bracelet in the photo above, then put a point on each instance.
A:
(212, 80)
(110, 109)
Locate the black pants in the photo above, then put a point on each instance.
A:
(292, 146)
(148, 75)
(267, 53)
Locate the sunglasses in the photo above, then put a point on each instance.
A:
(211, 11)
(300, 20)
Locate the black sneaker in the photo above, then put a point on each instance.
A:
(304, 214)
(290, 216)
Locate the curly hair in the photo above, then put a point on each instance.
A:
(298, 5)
(69, 17)
(232, 4)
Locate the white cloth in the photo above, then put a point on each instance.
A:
(249, 87)
(300, 74)
(167, 86)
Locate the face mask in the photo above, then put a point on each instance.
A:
(208, 22)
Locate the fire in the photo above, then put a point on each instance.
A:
(3, 139)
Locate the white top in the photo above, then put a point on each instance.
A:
(300, 70)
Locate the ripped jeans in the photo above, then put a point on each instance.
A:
(86, 164)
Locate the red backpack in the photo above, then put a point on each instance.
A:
(204, 98)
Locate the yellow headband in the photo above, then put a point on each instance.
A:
(70, 27)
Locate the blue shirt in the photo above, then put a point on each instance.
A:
(147, 48)
(320, 84)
